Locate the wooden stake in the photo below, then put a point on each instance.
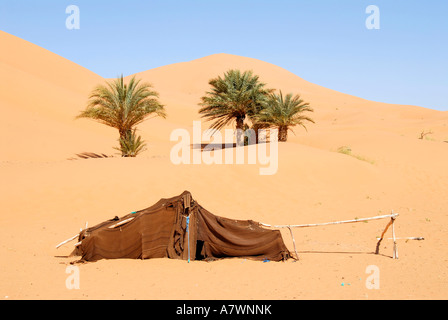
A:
(377, 250)
(68, 240)
(120, 223)
(395, 250)
(72, 238)
(294, 242)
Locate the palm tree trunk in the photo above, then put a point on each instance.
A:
(282, 133)
(256, 128)
(124, 133)
(239, 131)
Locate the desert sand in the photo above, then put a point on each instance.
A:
(48, 193)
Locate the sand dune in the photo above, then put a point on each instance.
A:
(182, 84)
(41, 93)
(47, 198)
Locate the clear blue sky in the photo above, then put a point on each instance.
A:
(323, 41)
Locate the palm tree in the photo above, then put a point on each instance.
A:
(123, 106)
(131, 145)
(233, 98)
(284, 113)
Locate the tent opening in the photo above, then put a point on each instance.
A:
(199, 246)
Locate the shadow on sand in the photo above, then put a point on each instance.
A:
(89, 155)
(218, 146)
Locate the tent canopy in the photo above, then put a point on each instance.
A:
(160, 231)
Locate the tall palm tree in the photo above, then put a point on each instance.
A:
(284, 113)
(233, 98)
(123, 106)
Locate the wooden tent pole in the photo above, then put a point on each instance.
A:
(72, 238)
(120, 223)
(294, 242)
(395, 250)
(377, 250)
(393, 215)
(188, 237)
(68, 240)
(403, 238)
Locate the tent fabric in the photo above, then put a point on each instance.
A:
(160, 231)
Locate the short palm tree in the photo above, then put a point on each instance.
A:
(131, 145)
(233, 98)
(123, 106)
(283, 113)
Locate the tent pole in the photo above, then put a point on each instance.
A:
(72, 238)
(68, 240)
(393, 215)
(294, 242)
(395, 250)
(377, 250)
(188, 237)
(404, 238)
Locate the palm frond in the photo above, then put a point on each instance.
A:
(121, 105)
(284, 112)
(235, 96)
(131, 144)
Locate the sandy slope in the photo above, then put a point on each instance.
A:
(47, 198)
(41, 93)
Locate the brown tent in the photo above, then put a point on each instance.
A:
(179, 228)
